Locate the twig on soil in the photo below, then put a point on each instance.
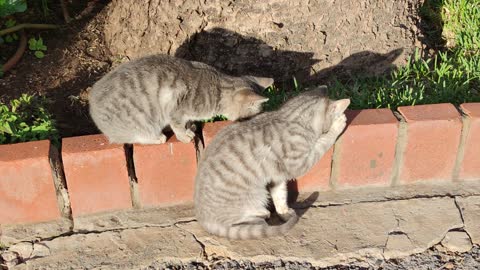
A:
(18, 54)
(27, 25)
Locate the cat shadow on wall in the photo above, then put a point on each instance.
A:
(236, 54)
(365, 63)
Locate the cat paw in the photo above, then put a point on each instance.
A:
(282, 210)
(186, 137)
(286, 215)
(190, 133)
(162, 139)
(339, 124)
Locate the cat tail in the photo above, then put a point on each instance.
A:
(253, 231)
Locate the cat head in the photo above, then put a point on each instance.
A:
(331, 109)
(334, 110)
(258, 84)
(245, 100)
(244, 103)
(315, 109)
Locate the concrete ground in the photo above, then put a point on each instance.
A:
(429, 226)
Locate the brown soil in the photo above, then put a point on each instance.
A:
(75, 59)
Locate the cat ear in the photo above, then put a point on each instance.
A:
(248, 96)
(339, 106)
(261, 81)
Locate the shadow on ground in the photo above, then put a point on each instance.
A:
(236, 54)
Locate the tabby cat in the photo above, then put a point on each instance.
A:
(137, 100)
(249, 161)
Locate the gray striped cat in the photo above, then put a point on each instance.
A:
(231, 194)
(137, 100)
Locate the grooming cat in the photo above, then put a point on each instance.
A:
(231, 193)
(137, 100)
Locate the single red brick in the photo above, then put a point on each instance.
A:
(165, 172)
(27, 192)
(211, 129)
(96, 174)
(319, 176)
(470, 167)
(366, 153)
(433, 137)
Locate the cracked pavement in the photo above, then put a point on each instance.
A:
(340, 228)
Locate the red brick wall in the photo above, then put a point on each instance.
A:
(420, 143)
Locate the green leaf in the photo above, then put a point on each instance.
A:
(32, 44)
(8, 7)
(6, 128)
(39, 54)
(42, 47)
(8, 38)
(40, 128)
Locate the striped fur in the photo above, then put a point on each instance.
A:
(137, 100)
(245, 158)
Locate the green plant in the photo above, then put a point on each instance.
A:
(277, 96)
(26, 119)
(10, 37)
(45, 9)
(462, 22)
(215, 119)
(8, 7)
(447, 77)
(37, 46)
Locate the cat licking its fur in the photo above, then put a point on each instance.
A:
(231, 194)
(137, 100)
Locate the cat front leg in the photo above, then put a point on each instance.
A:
(162, 139)
(279, 196)
(184, 135)
(338, 125)
(326, 141)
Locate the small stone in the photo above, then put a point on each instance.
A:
(40, 250)
(9, 256)
(10, 259)
(449, 266)
(24, 249)
(278, 263)
(457, 241)
(398, 245)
